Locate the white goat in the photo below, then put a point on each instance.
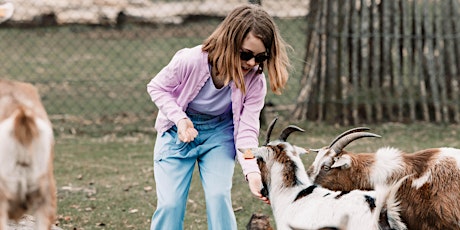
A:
(297, 203)
(26, 156)
(430, 198)
(6, 11)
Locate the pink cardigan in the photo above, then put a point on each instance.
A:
(179, 82)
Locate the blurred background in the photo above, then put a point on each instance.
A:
(354, 61)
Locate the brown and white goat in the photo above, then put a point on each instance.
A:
(6, 11)
(26, 156)
(430, 197)
(297, 203)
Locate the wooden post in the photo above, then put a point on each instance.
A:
(440, 59)
(451, 26)
(323, 65)
(354, 61)
(376, 61)
(418, 71)
(429, 60)
(344, 60)
(386, 53)
(410, 80)
(364, 66)
(397, 97)
(332, 76)
(308, 79)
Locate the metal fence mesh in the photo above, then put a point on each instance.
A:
(91, 60)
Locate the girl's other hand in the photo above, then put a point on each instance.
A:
(186, 130)
(255, 185)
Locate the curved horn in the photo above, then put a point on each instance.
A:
(288, 130)
(344, 141)
(269, 130)
(354, 130)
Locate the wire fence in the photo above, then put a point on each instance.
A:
(91, 60)
(354, 61)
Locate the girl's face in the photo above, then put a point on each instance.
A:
(252, 48)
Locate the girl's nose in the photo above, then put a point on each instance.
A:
(251, 62)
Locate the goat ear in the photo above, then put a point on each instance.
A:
(342, 162)
(300, 150)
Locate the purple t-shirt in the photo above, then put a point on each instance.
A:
(211, 100)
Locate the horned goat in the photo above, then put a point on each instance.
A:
(26, 156)
(430, 198)
(297, 203)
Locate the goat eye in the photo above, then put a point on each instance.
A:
(326, 167)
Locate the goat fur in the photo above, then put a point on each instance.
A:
(429, 199)
(26, 156)
(297, 203)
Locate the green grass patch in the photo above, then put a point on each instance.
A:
(107, 183)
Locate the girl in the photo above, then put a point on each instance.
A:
(209, 99)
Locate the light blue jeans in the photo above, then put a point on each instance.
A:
(174, 161)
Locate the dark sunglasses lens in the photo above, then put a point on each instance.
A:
(246, 56)
(261, 58)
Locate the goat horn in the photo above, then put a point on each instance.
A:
(269, 130)
(344, 141)
(354, 130)
(288, 130)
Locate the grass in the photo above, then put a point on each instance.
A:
(107, 182)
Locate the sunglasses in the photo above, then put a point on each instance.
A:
(259, 58)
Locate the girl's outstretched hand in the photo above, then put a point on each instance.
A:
(255, 185)
(186, 130)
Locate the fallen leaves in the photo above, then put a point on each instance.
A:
(148, 188)
(131, 211)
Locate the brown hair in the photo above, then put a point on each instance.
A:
(224, 44)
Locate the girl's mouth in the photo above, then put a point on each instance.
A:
(245, 69)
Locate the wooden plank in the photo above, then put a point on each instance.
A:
(323, 65)
(354, 61)
(439, 52)
(386, 53)
(344, 61)
(364, 52)
(409, 79)
(332, 76)
(454, 27)
(397, 97)
(418, 57)
(428, 52)
(376, 60)
(309, 71)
